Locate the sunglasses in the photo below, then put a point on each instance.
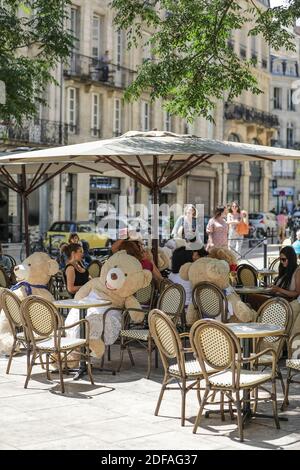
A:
(283, 259)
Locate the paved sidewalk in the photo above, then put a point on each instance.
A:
(118, 413)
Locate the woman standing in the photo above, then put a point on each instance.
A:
(234, 218)
(217, 229)
(186, 226)
(75, 273)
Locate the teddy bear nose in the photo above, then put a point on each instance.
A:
(114, 276)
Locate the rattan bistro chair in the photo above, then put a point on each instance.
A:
(247, 275)
(41, 318)
(94, 268)
(216, 347)
(292, 364)
(4, 279)
(172, 353)
(210, 301)
(172, 302)
(279, 313)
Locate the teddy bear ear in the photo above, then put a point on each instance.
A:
(184, 271)
(53, 267)
(147, 277)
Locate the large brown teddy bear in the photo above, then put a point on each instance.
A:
(216, 272)
(33, 276)
(121, 277)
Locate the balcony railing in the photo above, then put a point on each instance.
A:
(37, 131)
(92, 69)
(241, 112)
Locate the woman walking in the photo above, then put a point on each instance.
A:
(235, 220)
(186, 226)
(217, 229)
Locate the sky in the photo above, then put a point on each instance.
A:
(277, 3)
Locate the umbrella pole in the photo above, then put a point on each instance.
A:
(155, 198)
(25, 210)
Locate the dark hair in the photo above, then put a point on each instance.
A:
(181, 256)
(285, 273)
(71, 248)
(72, 235)
(219, 211)
(238, 206)
(202, 252)
(132, 247)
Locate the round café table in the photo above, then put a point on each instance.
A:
(82, 306)
(244, 291)
(246, 332)
(267, 274)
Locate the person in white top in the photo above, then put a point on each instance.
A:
(234, 217)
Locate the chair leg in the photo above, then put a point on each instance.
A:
(198, 392)
(161, 394)
(149, 350)
(62, 385)
(47, 366)
(66, 363)
(199, 415)
(11, 356)
(108, 353)
(255, 394)
(89, 368)
(28, 356)
(274, 404)
(222, 407)
(279, 374)
(130, 356)
(230, 406)
(286, 395)
(30, 369)
(183, 399)
(239, 416)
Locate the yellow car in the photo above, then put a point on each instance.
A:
(60, 232)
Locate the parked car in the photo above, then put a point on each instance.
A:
(264, 223)
(85, 230)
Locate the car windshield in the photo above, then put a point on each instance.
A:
(84, 228)
(255, 216)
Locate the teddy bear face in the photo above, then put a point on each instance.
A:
(36, 269)
(206, 269)
(123, 275)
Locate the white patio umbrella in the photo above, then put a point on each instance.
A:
(136, 154)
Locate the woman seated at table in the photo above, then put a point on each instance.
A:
(287, 284)
(75, 273)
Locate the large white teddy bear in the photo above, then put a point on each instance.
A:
(217, 272)
(33, 276)
(121, 277)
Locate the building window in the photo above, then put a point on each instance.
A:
(146, 48)
(72, 110)
(145, 116)
(289, 135)
(255, 193)
(243, 52)
(96, 36)
(234, 182)
(290, 104)
(277, 98)
(117, 117)
(95, 119)
(119, 47)
(234, 138)
(264, 63)
(167, 121)
(75, 26)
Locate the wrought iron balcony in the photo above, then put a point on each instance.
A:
(39, 131)
(241, 112)
(89, 69)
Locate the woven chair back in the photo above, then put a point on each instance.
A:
(275, 312)
(166, 337)
(247, 275)
(4, 281)
(145, 295)
(172, 299)
(11, 307)
(94, 269)
(215, 345)
(210, 301)
(40, 316)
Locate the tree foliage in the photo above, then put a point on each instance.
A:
(193, 61)
(33, 41)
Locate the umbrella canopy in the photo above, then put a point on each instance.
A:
(136, 154)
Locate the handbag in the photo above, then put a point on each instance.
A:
(242, 228)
